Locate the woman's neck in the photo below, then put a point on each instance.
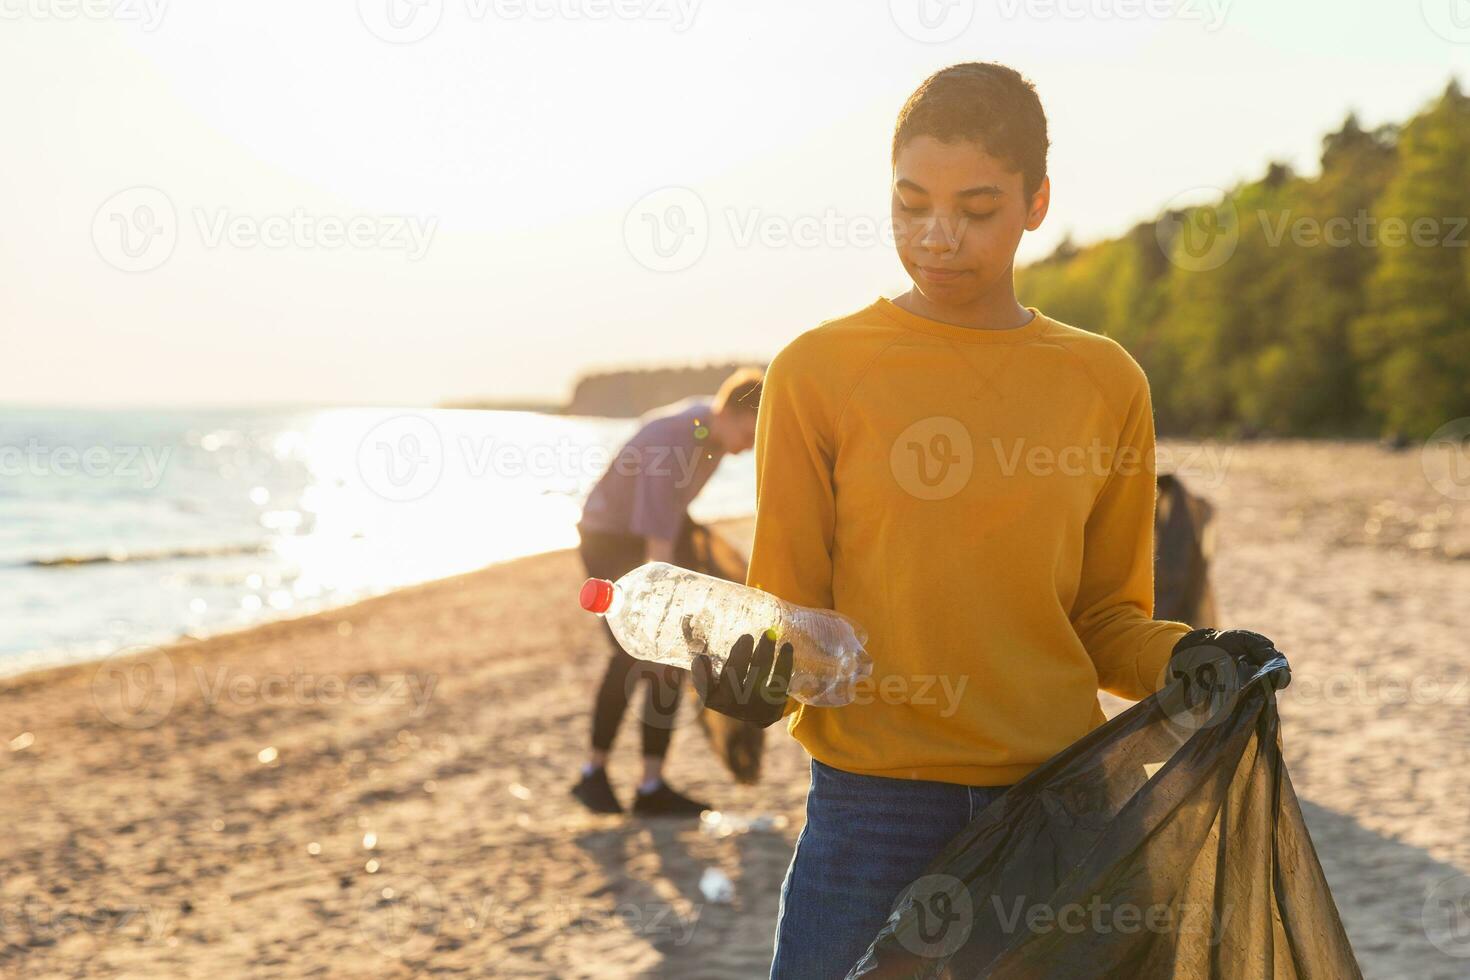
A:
(998, 312)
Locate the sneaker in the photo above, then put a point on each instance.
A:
(596, 793)
(665, 802)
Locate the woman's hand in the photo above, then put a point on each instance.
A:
(1246, 647)
(753, 685)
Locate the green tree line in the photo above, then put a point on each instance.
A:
(1330, 305)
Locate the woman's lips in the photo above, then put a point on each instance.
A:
(940, 275)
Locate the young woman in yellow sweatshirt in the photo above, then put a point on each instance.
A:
(974, 482)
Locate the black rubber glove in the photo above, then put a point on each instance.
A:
(1250, 650)
(753, 685)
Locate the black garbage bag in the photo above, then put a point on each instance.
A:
(1166, 843)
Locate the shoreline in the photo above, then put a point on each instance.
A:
(731, 527)
(735, 529)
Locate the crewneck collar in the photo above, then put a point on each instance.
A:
(1027, 331)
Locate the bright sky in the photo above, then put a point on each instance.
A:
(400, 201)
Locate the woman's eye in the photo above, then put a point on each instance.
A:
(974, 216)
(909, 209)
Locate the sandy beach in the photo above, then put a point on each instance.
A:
(381, 790)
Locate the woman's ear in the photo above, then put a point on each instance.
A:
(1040, 201)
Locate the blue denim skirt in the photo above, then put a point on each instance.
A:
(866, 838)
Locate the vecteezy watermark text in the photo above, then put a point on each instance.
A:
(144, 464)
(938, 21)
(1201, 229)
(668, 229)
(1210, 13)
(1365, 686)
(223, 686)
(137, 230)
(934, 458)
(34, 922)
(1100, 917)
(403, 458)
(1310, 231)
(409, 21)
(137, 689)
(406, 914)
(409, 234)
(1204, 464)
(148, 14)
(923, 690)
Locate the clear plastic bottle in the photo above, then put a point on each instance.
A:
(667, 614)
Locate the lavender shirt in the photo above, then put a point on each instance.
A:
(650, 482)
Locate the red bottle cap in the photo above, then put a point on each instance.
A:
(596, 595)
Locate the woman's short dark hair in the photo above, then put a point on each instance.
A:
(987, 103)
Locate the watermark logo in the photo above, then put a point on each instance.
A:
(401, 916)
(1445, 459)
(134, 689)
(932, 21)
(136, 230)
(933, 458)
(1200, 685)
(942, 916)
(667, 230)
(1195, 235)
(1450, 19)
(402, 458)
(400, 21)
(1446, 916)
(661, 708)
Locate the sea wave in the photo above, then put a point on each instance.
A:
(120, 556)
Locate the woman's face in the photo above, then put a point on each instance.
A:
(958, 215)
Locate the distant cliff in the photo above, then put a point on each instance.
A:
(627, 394)
(620, 394)
(507, 405)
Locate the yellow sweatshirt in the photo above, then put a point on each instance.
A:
(982, 501)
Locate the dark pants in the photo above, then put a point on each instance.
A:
(610, 556)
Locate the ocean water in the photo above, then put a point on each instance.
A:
(124, 529)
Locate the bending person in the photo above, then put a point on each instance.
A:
(638, 512)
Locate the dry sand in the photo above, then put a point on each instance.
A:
(381, 790)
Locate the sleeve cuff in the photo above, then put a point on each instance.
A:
(1154, 657)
